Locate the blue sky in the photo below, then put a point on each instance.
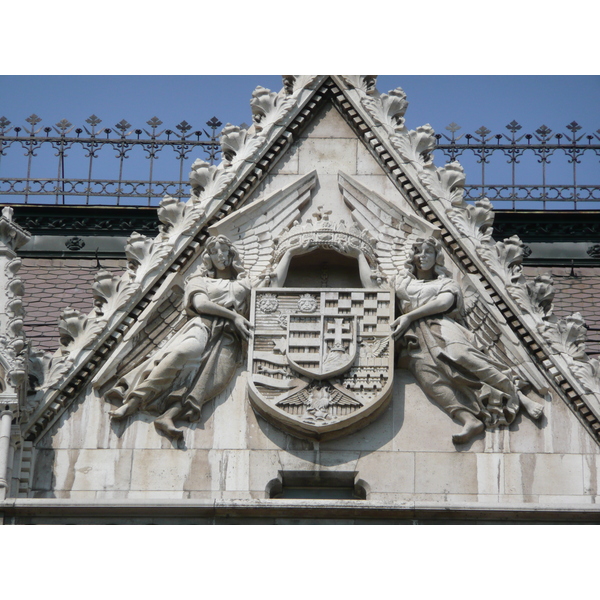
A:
(470, 101)
(513, 47)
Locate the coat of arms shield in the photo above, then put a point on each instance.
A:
(321, 360)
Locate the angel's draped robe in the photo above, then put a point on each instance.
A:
(444, 357)
(199, 360)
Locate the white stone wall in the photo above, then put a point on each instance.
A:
(405, 455)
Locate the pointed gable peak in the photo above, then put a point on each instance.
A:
(248, 156)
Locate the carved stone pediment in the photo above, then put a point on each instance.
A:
(267, 209)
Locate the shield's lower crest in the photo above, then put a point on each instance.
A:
(321, 360)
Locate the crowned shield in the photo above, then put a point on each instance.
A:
(321, 360)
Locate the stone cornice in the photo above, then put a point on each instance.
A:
(85, 220)
(220, 511)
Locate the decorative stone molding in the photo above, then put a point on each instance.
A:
(268, 108)
(238, 145)
(505, 259)
(364, 83)
(323, 233)
(111, 293)
(541, 293)
(13, 349)
(292, 84)
(178, 218)
(415, 146)
(567, 337)
(144, 256)
(445, 183)
(208, 181)
(388, 109)
(77, 331)
(474, 221)
(12, 237)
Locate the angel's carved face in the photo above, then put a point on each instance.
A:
(425, 257)
(220, 256)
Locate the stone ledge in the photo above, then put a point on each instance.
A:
(60, 510)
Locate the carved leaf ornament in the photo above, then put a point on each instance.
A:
(268, 108)
(388, 109)
(178, 218)
(111, 293)
(416, 146)
(474, 221)
(208, 181)
(144, 255)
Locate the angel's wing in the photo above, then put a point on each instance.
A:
(494, 340)
(136, 348)
(394, 230)
(253, 228)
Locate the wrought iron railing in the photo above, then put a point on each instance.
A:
(117, 166)
(553, 185)
(87, 177)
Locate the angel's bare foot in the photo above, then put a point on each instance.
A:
(166, 425)
(127, 409)
(472, 426)
(534, 409)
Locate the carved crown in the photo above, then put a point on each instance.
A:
(326, 234)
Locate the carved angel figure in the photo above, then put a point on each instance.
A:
(443, 355)
(201, 358)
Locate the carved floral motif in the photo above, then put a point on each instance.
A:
(144, 255)
(388, 109)
(268, 108)
(77, 331)
(294, 83)
(474, 221)
(238, 144)
(111, 293)
(364, 83)
(505, 259)
(415, 146)
(178, 218)
(208, 181)
(446, 183)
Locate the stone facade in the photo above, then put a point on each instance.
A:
(324, 150)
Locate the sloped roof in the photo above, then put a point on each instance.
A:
(577, 290)
(52, 284)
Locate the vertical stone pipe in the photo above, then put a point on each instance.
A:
(6, 417)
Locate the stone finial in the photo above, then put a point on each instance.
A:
(12, 236)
